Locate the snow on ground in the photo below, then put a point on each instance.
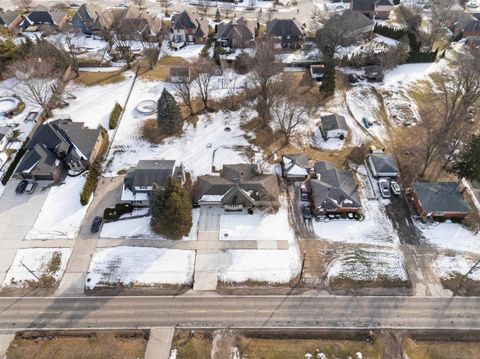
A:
(364, 103)
(61, 214)
(385, 40)
(140, 228)
(41, 261)
(208, 137)
(140, 266)
(331, 144)
(452, 236)
(189, 52)
(93, 104)
(368, 264)
(273, 266)
(409, 73)
(448, 266)
(256, 227)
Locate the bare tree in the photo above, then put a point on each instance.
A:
(444, 13)
(183, 90)
(203, 6)
(231, 86)
(139, 3)
(337, 30)
(411, 16)
(289, 113)
(152, 46)
(265, 76)
(24, 4)
(228, 8)
(35, 80)
(259, 15)
(394, 56)
(356, 157)
(68, 41)
(203, 72)
(166, 5)
(251, 4)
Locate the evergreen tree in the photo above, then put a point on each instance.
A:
(171, 210)
(217, 16)
(169, 117)
(328, 83)
(8, 51)
(469, 164)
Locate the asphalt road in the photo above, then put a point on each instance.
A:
(239, 311)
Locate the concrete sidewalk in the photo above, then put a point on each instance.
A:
(159, 343)
(5, 340)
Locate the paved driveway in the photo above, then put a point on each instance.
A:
(18, 213)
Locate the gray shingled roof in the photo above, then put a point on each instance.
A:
(187, 20)
(40, 159)
(333, 122)
(88, 13)
(283, 28)
(239, 29)
(440, 197)
(298, 159)
(334, 188)
(384, 162)
(323, 166)
(148, 172)
(7, 17)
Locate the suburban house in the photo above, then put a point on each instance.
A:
(287, 33)
(295, 167)
(189, 27)
(360, 25)
(139, 180)
(378, 9)
(104, 22)
(439, 200)
(238, 33)
(383, 164)
(6, 134)
(57, 146)
(44, 19)
(334, 191)
(10, 19)
(180, 74)
(134, 29)
(86, 16)
(238, 186)
(472, 28)
(332, 126)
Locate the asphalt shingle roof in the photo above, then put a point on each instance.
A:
(333, 122)
(440, 197)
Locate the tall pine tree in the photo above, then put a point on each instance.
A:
(169, 117)
(469, 164)
(171, 210)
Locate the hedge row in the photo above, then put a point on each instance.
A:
(416, 57)
(8, 173)
(114, 116)
(89, 186)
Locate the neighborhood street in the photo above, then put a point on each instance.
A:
(239, 311)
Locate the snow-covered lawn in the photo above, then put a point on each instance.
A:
(368, 265)
(61, 214)
(93, 104)
(140, 266)
(256, 227)
(449, 266)
(207, 137)
(273, 266)
(49, 263)
(140, 228)
(451, 236)
(331, 144)
(189, 52)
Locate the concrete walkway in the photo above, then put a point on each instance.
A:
(5, 340)
(159, 343)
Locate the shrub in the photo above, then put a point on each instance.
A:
(115, 116)
(8, 173)
(90, 185)
(114, 214)
(242, 63)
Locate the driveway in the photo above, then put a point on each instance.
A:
(18, 213)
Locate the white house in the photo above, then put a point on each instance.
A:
(332, 126)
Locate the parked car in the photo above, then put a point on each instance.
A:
(472, 5)
(303, 193)
(307, 212)
(97, 224)
(21, 186)
(31, 187)
(395, 187)
(384, 187)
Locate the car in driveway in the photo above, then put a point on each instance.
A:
(307, 212)
(96, 224)
(31, 186)
(304, 193)
(395, 187)
(384, 187)
(21, 186)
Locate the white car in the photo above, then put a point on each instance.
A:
(384, 187)
(472, 5)
(395, 187)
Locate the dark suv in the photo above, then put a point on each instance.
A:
(21, 186)
(97, 224)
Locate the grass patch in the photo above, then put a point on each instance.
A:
(462, 286)
(79, 345)
(380, 282)
(99, 78)
(161, 71)
(54, 264)
(254, 348)
(153, 134)
(192, 346)
(441, 350)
